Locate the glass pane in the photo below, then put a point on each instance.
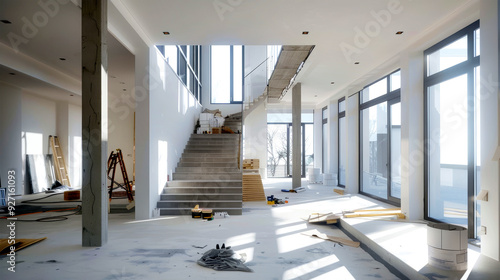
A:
(290, 150)
(182, 69)
(478, 148)
(237, 73)
(325, 113)
(221, 59)
(324, 145)
(396, 81)
(396, 150)
(377, 89)
(342, 152)
(447, 56)
(342, 106)
(448, 148)
(374, 150)
(276, 150)
(171, 56)
(477, 42)
(309, 143)
(287, 118)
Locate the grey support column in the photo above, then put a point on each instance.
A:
(296, 136)
(94, 122)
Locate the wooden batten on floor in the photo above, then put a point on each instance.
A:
(253, 189)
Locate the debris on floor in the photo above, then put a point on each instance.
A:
(329, 218)
(339, 191)
(338, 240)
(374, 213)
(5, 246)
(297, 190)
(274, 200)
(223, 259)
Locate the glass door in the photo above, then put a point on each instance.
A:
(395, 149)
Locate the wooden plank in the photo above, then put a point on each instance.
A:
(340, 240)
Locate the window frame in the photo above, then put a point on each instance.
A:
(323, 152)
(341, 114)
(466, 67)
(390, 97)
(231, 75)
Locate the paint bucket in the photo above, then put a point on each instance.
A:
(206, 214)
(447, 246)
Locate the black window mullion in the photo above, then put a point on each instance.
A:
(471, 172)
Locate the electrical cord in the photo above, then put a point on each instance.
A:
(52, 218)
(36, 200)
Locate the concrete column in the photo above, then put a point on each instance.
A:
(94, 122)
(296, 137)
(490, 120)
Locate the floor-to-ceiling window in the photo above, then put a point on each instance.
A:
(451, 130)
(226, 74)
(324, 140)
(185, 61)
(380, 139)
(279, 144)
(342, 152)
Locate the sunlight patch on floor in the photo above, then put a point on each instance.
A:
(301, 270)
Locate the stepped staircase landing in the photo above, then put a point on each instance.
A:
(207, 175)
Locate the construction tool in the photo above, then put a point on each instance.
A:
(114, 159)
(59, 162)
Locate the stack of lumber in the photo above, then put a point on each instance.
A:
(250, 164)
(253, 189)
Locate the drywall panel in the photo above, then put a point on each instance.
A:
(38, 122)
(10, 136)
(255, 136)
(74, 159)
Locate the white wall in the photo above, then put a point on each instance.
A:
(318, 138)
(490, 121)
(352, 144)
(121, 132)
(69, 132)
(173, 114)
(256, 76)
(10, 139)
(333, 125)
(255, 136)
(38, 122)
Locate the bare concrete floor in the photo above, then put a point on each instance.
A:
(164, 248)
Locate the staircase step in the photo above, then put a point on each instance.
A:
(207, 176)
(202, 142)
(230, 159)
(201, 203)
(187, 211)
(207, 164)
(227, 156)
(215, 136)
(223, 146)
(210, 151)
(207, 189)
(205, 169)
(202, 196)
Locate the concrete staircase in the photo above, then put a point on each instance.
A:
(248, 107)
(207, 175)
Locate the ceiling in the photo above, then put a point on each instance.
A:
(365, 28)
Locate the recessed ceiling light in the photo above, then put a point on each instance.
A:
(305, 32)
(112, 77)
(62, 58)
(5, 21)
(122, 83)
(332, 83)
(12, 73)
(315, 95)
(71, 95)
(399, 32)
(357, 62)
(124, 89)
(166, 33)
